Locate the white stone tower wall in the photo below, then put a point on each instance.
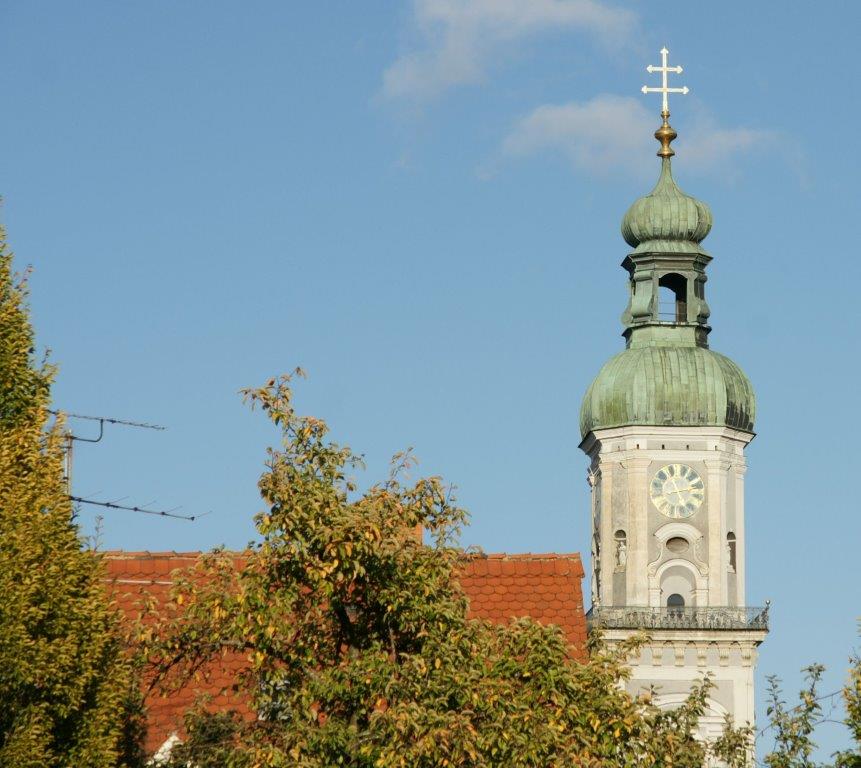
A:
(623, 462)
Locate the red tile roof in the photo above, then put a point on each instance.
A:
(136, 576)
(545, 587)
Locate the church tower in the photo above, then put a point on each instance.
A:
(665, 424)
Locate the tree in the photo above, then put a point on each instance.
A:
(66, 680)
(851, 758)
(357, 649)
(794, 727)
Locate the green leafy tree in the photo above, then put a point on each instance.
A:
(851, 758)
(66, 681)
(356, 646)
(794, 727)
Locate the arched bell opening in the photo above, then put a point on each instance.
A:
(673, 298)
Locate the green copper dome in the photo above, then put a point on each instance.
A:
(671, 386)
(666, 220)
(667, 375)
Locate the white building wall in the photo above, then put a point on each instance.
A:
(623, 462)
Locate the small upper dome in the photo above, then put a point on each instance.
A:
(667, 220)
(669, 385)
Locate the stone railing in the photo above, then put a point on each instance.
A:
(689, 617)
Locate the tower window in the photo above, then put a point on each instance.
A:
(730, 546)
(673, 298)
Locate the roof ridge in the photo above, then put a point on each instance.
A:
(124, 554)
(527, 555)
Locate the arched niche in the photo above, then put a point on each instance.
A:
(690, 558)
(731, 544)
(687, 532)
(620, 543)
(677, 576)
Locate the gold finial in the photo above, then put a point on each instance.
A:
(665, 134)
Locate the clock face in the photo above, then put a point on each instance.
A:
(677, 490)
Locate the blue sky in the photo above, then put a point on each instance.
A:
(420, 205)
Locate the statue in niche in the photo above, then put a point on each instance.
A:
(730, 550)
(621, 554)
(621, 549)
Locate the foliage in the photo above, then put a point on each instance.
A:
(356, 648)
(65, 679)
(735, 746)
(794, 727)
(852, 700)
(23, 386)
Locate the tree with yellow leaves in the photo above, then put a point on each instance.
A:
(67, 688)
(357, 646)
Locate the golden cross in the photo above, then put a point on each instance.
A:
(664, 90)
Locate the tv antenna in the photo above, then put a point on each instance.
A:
(72, 438)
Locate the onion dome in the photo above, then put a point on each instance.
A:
(673, 385)
(667, 375)
(667, 220)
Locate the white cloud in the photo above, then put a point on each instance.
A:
(611, 132)
(462, 38)
(600, 134)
